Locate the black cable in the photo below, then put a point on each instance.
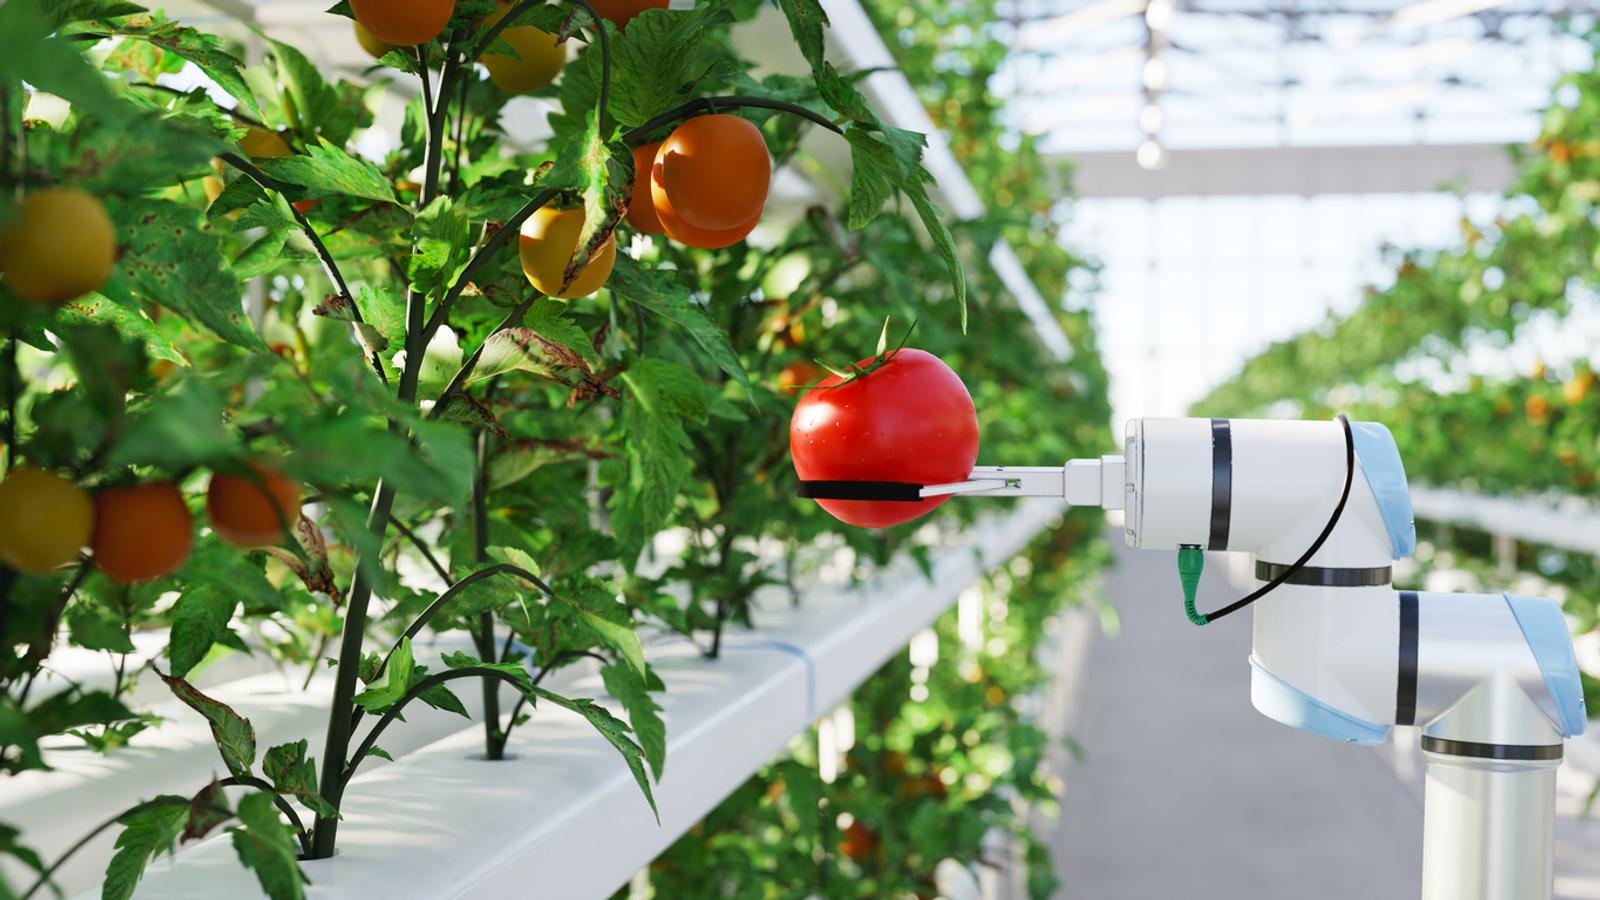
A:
(1327, 530)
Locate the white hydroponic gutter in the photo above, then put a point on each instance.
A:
(1570, 523)
(564, 819)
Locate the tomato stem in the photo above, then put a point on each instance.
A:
(733, 101)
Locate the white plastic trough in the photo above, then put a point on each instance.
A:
(564, 819)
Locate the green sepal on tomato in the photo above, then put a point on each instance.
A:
(908, 419)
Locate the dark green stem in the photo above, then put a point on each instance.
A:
(342, 712)
(560, 660)
(279, 801)
(735, 101)
(502, 236)
(493, 745)
(423, 686)
(470, 365)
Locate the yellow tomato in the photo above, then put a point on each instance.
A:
(371, 43)
(542, 57)
(60, 246)
(549, 241)
(45, 520)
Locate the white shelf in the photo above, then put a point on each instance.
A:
(437, 823)
(1570, 523)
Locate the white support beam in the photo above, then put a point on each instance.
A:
(1302, 171)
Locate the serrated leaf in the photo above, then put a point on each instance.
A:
(294, 773)
(620, 637)
(644, 714)
(266, 845)
(655, 58)
(326, 169)
(614, 731)
(147, 832)
(94, 625)
(235, 736)
(204, 50)
(207, 810)
(664, 295)
(199, 619)
(392, 684)
(661, 396)
(806, 22)
(943, 241)
(873, 172)
(441, 238)
(172, 258)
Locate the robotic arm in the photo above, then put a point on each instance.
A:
(1491, 679)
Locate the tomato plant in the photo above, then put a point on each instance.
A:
(339, 359)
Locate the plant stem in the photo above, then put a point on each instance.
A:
(493, 744)
(470, 365)
(341, 713)
(503, 235)
(426, 684)
(13, 387)
(560, 660)
(733, 101)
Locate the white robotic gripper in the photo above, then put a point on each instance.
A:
(1490, 679)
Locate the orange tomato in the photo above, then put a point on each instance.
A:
(859, 841)
(713, 171)
(403, 22)
(1538, 408)
(1577, 387)
(141, 532)
(549, 241)
(621, 12)
(248, 514)
(641, 206)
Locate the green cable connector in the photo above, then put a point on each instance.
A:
(1191, 562)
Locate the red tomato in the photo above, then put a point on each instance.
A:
(910, 420)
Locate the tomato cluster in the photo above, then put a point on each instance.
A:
(135, 532)
(705, 186)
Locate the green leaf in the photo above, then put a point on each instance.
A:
(661, 396)
(440, 696)
(629, 687)
(148, 831)
(51, 64)
(806, 23)
(65, 12)
(130, 323)
(526, 350)
(619, 636)
(943, 241)
(56, 714)
(459, 660)
(207, 810)
(294, 773)
(663, 294)
(441, 236)
(392, 684)
(265, 844)
(96, 626)
(548, 317)
(178, 428)
(614, 731)
(199, 619)
(874, 170)
(204, 50)
(172, 258)
(325, 170)
(656, 60)
(235, 736)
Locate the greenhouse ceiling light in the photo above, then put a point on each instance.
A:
(1432, 12)
(1051, 32)
(1158, 14)
(1155, 73)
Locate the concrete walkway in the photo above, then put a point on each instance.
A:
(1185, 791)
